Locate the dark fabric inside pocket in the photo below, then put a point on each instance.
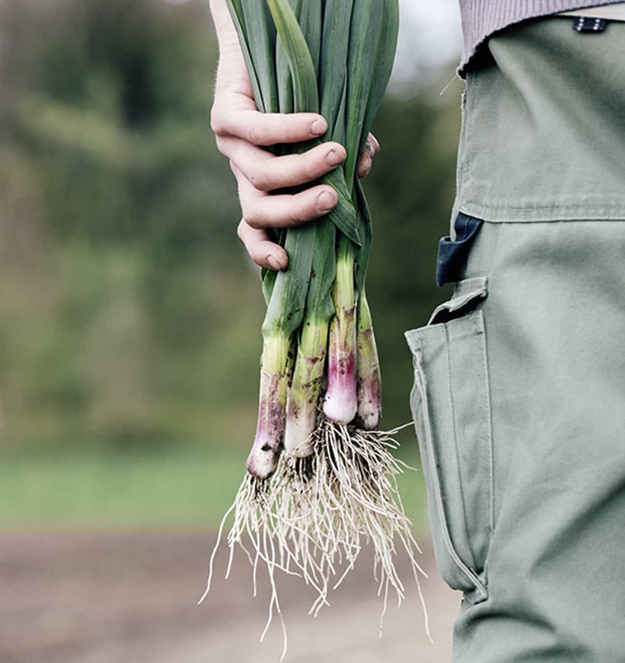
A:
(453, 252)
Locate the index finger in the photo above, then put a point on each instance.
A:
(265, 129)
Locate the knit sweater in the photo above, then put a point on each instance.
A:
(481, 18)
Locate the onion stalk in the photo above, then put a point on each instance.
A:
(369, 375)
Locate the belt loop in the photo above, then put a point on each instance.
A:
(585, 24)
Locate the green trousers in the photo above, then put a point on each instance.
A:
(519, 404)
(519, 400)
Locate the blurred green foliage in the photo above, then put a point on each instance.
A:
(130, 317)
(180, 489)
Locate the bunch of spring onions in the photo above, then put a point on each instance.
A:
(321, 476)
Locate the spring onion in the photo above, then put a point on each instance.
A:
(321, 476)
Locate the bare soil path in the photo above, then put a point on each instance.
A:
(130, 598)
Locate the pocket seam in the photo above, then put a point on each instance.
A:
(481, 369)
(478, 586)
(466, 292)
(491, 442)
(453, 416)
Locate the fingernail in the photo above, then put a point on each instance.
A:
(334, 157)
(318, 127)
(326, 201)
(274, 263)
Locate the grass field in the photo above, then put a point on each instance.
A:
(172, 490)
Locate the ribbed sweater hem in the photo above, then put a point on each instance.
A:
(482, 18)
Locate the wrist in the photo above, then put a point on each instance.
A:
(230, 56)
(224, 27)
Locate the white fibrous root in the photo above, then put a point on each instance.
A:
(315, 515)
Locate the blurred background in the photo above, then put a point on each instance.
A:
(130, 332)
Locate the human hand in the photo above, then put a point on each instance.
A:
(256, 238)
(242, 133)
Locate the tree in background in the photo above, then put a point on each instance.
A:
(129, 315)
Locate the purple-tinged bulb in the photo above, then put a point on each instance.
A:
(369, 404)
(265, 455)
(369, 382)
(341, 401)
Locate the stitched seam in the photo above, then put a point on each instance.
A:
(532, 205)
(491, 445)
(460, 565)
(461, 489)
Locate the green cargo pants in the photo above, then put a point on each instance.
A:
(519, 404)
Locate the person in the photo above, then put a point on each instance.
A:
(519, 377)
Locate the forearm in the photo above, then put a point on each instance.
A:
(221, 18)
(231, 72)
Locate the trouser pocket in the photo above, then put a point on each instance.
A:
(451, 407)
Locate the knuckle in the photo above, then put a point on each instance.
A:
(263, 179)
(303, 211)
(217, 122)
(221, 146)
(291, 133)
(253, 217)
(241, 230)
(311, 166)
(257, 134)
(256, 255)
(254, 223)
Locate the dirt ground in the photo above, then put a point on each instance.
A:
(122, 598)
